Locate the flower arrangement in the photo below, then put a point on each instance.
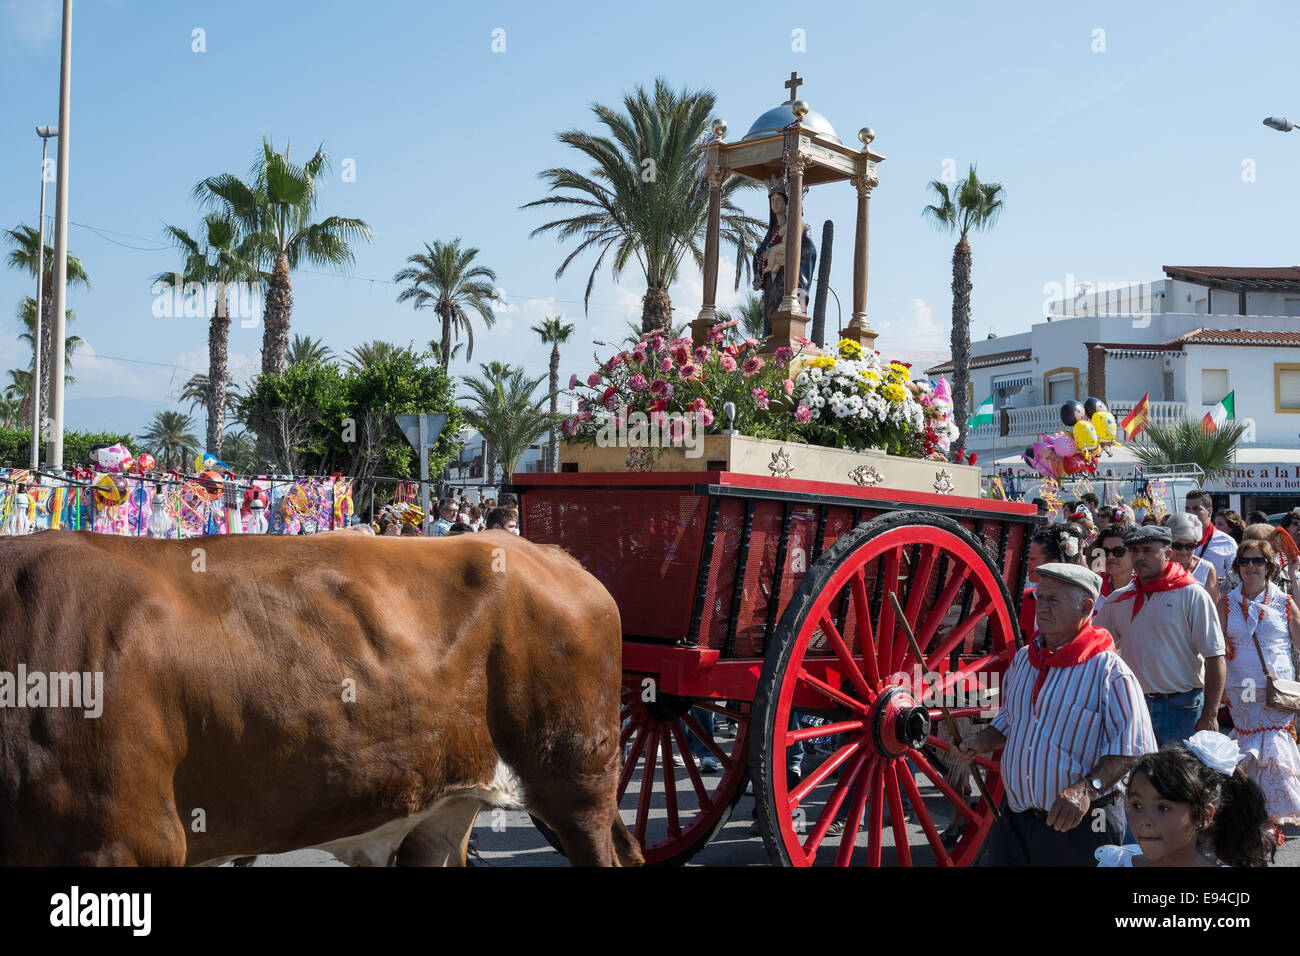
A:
(851, 400)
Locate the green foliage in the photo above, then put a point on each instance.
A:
(1186, 443)
(322, 418)
(16, 443)
(171, 440)
(505, 412)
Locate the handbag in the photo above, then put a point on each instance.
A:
(1282, 694)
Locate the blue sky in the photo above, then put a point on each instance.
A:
(1115, 162)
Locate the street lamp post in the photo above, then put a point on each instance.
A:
(54, 448)
(1279, 123)
(44, 132)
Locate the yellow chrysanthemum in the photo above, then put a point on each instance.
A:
(894, 392)
(870, 375)
(850, 349)
(823, 361)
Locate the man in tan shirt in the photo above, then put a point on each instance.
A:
(1166, 629)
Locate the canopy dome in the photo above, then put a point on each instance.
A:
(779, 117)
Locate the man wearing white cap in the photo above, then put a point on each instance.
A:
(1071, 723)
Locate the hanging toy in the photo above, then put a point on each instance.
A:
(109, 458)
(144, 463)
(256, 523)
(1072, 412)
(1085, 437)
(109, 492)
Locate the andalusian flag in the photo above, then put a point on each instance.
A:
(1216, 417)
(1136, 420)
(983, 415)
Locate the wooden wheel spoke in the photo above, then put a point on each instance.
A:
(937, 779)
(629, 765)
(918, 585)
(825, 730)
(824, 770)
(885, 635)
(717, 708)
(849, 839)
(705, 738)
(923, 815)
(986, 762)
(692, 771)
(842, 788)
(862, 619)
(833, 693)
(670, 783)
(949, 681)
(960, 632)
(845, 658)
(877, 811)
(902, 842)
(647, 785)
(936, 715)
(627, 731)
(942, 605)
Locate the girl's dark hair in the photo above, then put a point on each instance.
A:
(1236, 526)
(1055, 540)
(1237, 836)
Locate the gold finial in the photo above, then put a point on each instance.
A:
(866, 135)
(799, 108)
(719, 127)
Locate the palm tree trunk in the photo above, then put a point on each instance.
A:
(961, 289)
(445, 341)
(47, 342)
(553, 442)
(656, 310)
(218, 342)
(489, 463)
(277, 315)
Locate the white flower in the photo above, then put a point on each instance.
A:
(1217, 751)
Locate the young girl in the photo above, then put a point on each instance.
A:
(1190, 804)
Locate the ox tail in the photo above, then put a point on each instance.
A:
(627, 852)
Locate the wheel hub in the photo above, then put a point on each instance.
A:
(898, 722)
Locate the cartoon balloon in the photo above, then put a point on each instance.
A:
(1071, 412)
(207, 486)
(144, 463)
(108, 491)
(1093, 405)
(1063, 444)
(1103, 423)
(1085, 437)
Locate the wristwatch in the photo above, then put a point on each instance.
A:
(1095, 784)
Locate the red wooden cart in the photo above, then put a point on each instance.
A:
(763, 603)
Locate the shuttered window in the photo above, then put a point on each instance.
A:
(1288, 388)
(1214, 385)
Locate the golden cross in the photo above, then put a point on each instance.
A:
(793, 85)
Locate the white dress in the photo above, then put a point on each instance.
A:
(1113, 855)
(1202, 571)
(1265, 735)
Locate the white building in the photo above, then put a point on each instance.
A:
(465, 472)
(1188, 339)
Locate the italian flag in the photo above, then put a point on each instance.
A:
(983, 415)
(1220, 413)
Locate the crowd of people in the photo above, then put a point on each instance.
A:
(454, 516)
(1146, 641)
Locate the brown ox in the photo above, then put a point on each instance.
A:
(362, 695)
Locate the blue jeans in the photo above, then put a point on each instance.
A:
(705, 720)
(1174, 718)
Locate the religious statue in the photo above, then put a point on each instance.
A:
(769, 258)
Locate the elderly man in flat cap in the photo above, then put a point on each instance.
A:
(1166, 628)
(1071, 724)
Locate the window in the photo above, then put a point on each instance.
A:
(1214, 385)
(1286, 387)
(1061, 385)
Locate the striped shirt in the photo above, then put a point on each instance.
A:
(1086, 712)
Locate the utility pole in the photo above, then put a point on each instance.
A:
(54, 446)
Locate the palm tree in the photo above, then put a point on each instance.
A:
(27, 316)
(24, 255)
(1185, 442)
(239, 451)
(973, 206)
(749, 313)
(644, 199)
(680, 330)
(218, 257)
(275, 210)
(435, 348)
(306, 349)
(195, 391)
(506, 413)
(554, 331)
(10, 408)
(444, 278)
(368, 354)
(170, 438)
(19, 389)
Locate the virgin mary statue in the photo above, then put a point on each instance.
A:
(769, 257)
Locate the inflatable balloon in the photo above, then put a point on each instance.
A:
(108, 491)
(1093, 405)
(144, 463)
(1071, 412)
(109, 458)
(207, 486)
(1063, 444)
(1085, 436)
(1103, 423)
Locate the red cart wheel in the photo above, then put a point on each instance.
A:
(838, 654)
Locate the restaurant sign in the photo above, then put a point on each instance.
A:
(1258, 478)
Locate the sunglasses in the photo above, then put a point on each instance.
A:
(1255, 562)
(1184, 545)
(1116, 552)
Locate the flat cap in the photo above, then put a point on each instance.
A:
(1075, 574)
(1148, 532)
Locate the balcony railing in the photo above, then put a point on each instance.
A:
(1045, 419)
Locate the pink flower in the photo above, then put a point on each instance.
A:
(661, 389)
(594, 379)
(784, 354)
(728, 363)
(584, 415)
(802, 414)
(696, 405)
(689, 371)
(681, 354)
(788, 386)
(570, 427)
(677, 429)
(638, 383)
(573, 380)
(666, 365)
(753, 365)
(760, 396)
(615, 360)
(750, 342)
(701, 354)
(657, 343)
(611, 398)
(707, 418)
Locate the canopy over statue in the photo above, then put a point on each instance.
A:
(789, 148)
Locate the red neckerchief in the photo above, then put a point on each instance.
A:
(1205, 539)
(1105, 585)
(1175, 577)
(1087, 644)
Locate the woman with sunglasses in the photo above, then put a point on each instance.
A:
(1187, 533)
(1113, 562)
(1261, 622)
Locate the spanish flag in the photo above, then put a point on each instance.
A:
(1136, 420)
